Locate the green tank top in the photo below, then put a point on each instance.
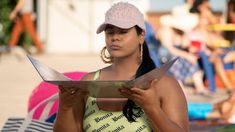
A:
(96, 120)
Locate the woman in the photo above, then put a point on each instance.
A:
(211, 39)
(145, 110)
(173, 35)
(22, 16)
(224, 109)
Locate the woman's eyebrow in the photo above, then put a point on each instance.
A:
(109, 28)
(124, 29)
(117, 29)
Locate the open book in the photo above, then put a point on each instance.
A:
(97, 88)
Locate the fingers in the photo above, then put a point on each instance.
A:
(133, 97)
(137, 91)
(132, 93)
(70, 90)
(61, 89)
(153, 84)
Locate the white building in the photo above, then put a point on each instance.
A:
(66, 29)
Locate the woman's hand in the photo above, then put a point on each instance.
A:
(164, 104)
(69, 96)
(191, 58)
(146, 99)
(71, 110)
(229, 57)
(13, 15)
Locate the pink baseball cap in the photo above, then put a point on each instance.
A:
(123, 15)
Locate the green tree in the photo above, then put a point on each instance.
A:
(6, 6)
(5, 23)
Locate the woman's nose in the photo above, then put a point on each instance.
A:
(115, 36)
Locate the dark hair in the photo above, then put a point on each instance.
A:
(229, 35)
(146, 65)
(195, 6)
(230, 8)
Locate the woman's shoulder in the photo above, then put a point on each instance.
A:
(88, 76)
(168, 84)
(170, 91)
(169, 79)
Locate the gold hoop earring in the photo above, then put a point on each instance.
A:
(141, 54)
(104, 57)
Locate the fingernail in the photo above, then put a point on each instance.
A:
(120, 90)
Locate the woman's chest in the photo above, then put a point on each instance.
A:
(96, 119)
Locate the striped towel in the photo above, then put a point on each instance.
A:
(16, 125)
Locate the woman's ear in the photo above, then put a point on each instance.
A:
(142, 37)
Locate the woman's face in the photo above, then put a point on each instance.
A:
(190, 2)
(123, 42)
(204, 6)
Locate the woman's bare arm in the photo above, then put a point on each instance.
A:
(166, 37)
(164, 103)
(17, 8)
(71, 110)
(65, 120)
(171, 114)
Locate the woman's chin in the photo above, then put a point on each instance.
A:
(117, 55)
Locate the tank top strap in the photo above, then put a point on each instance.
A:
(97, 75)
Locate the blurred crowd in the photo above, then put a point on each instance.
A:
(204, 42)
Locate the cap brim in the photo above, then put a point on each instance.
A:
(123, 25)
(101, 28)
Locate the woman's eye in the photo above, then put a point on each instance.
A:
(124, 31)
(109, 32)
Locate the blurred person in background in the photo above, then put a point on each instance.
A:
(224, 110)
(230, 19)
(198, 38)
(206, 17)
(22, 15)
(142, 110)
(230, 35)
(172, 36)
(209, 41)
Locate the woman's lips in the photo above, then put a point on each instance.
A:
(115, 47)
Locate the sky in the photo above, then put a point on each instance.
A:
(166, 5)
